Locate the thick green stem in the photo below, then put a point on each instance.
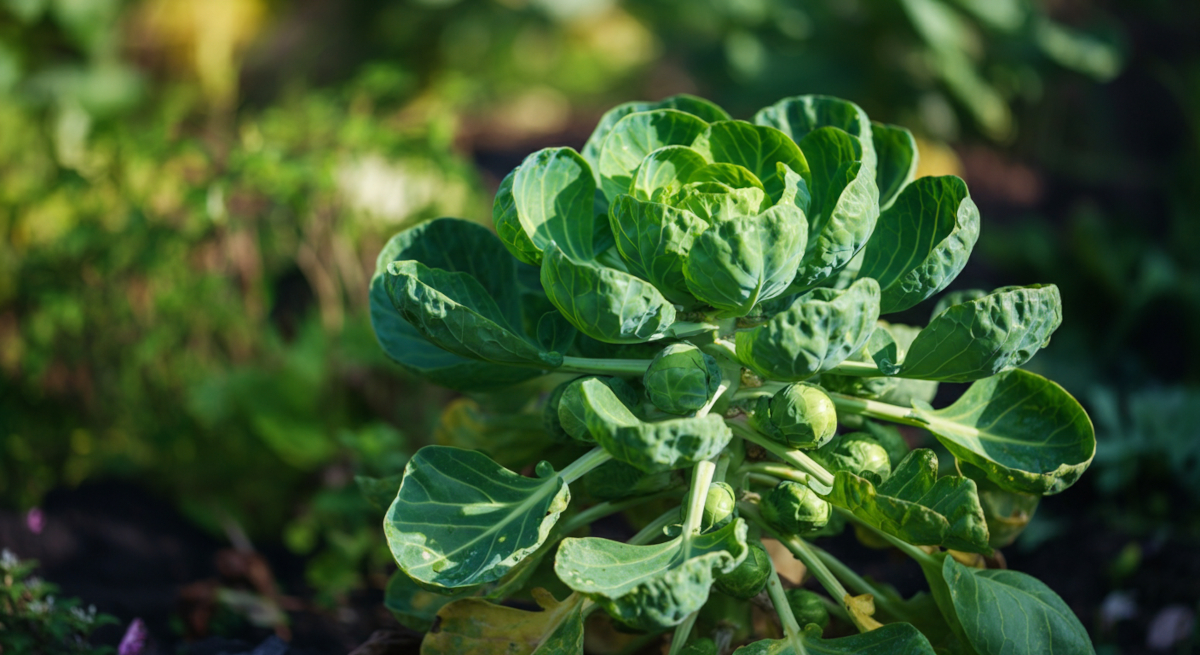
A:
(857, 369)
(580, 467)
(875, 409)
(619, 367)
(682, 632)
(764, 480)
(791, 627)
(861, 586)
(794, 457)
(702, 476)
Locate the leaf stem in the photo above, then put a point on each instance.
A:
(702, 476)
(654, 528)
(912, 551)
(681, 633)
(801, 550)
(580, 467)
(594, 366)
(600, 510)
(791, 627)
(794, 457)
(860, 585)
(875, 409)
(856, 369)
(776, 471)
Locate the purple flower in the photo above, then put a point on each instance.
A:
(35, 520)
(134, 641)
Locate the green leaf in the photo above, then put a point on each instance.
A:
(896, 165)
(461, 519)
(1011, 613)
(454, 311)
(413, 606)
(665, 168)
(844, 205)
(380, 492)
(453, 245)
(799, 115)
(891, 639)
(756, 147)
(650, 587)
(713, 201)
(982, 337)
(1024, 431)
(737, 177)
(698, 107)
(473, 625)
(653, 240)
(637, 135)
(922, 242)
(573, 410)
(555, 333)
(604, 303)
(551, 199)
(915, 505)
(820, 330)
(651, 447)
(741, 261)
(507, 221)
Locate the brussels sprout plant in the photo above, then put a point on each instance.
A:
(685, 312)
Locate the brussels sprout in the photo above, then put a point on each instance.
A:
(807, 607)
(750, 577)
(570, 412)
(799, 415)
(794, 508)
(615, 480)
(858, 453)
(718, 507)
(681, 379)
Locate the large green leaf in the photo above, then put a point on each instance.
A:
(549, 198)
(1026, 433)
(741, 261)
(896, 164)
(1011, 613)
(799, 115)
(891, 639)
(844, 205)
(922, 242)
(651, 587)
(759, 148)
(653, 240)
(454, 311)
(461, 519)
(737, 177)
(475, 626)
(665, 168)
(916, 505)
(453, 245)
(637, 135)
(820, 330)
(604, 303)
(979, 338)
(651, 447)
(699, 107)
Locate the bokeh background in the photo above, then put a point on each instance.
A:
(192, 194)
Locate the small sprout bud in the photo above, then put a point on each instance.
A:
(807, 607)
(718, 507)
(795, 509)
(682, 379)
(544, 469)
(749, 578)
(799, 415)
(858, 453)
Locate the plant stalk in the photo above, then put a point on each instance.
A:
(600, 510)
(681, 633)
(794, 457)
(593, 366)
(791, 627)
(875, 409)
(702, 476)
(856, 369)
(582, 466)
